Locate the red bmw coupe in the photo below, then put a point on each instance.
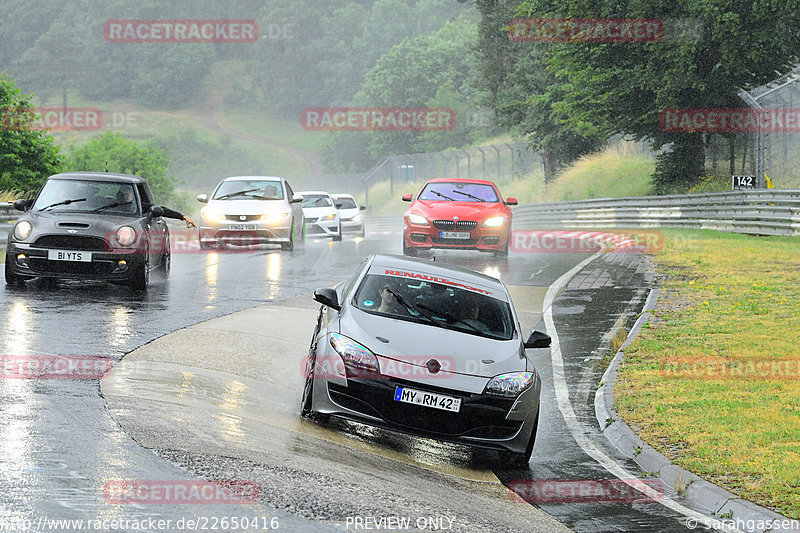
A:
(457, 213)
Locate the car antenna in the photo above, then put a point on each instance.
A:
(106, 165)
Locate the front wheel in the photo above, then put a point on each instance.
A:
(141, 274)
(516, 459)
(306, 410)
(409, 251)
(289, 246)
(338, 236)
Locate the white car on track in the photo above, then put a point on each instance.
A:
(350, 214)
(321, 215)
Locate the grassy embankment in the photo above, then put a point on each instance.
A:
(691, 384)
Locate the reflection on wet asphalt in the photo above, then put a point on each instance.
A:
(59, 443)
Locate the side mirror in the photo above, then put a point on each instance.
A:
(327, 297)
(22, 205)
(339, 206)
(297, 198)
(511, 201)
(363, 208)
(202, 198)
(407, 197)
(156, 211)
(537, 339)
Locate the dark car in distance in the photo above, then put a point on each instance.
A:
(90, 225)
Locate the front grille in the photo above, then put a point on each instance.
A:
(455, 225)
(72, 242)
(95, 268)
(454, 242)
(238, 218)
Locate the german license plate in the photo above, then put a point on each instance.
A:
(427, 399)
(454, 235)
(242, 227)
(67, 255)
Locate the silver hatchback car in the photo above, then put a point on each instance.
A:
(427, 349)
(245, 210)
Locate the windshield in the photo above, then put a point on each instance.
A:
(346, 203)
(249, 189)
(462, 192)
(316, 200)
(450, 307)
(87, 196)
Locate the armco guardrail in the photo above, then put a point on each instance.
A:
(763, 212)
(7, 212)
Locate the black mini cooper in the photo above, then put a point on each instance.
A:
(90, 225)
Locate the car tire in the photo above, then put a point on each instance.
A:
(289, 246)
(503, 252)
(11, 278)
(409, 251)
(141, 273)
(363, 231)
(510, 459)
(306, 410)
(338, 236)
(166, 263)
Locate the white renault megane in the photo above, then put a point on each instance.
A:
(428, 349)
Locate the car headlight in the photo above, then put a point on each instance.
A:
(417, 220)
(212, 213)
(331, 216)
(511, 384)
(494, 222)
(275, 217)
(126, 236)
(354, 354)
(22, 230)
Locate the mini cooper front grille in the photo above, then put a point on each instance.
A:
(95, 268)
(71, 242)
(457, 225)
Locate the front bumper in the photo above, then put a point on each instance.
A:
(484, 421)
(322, 227)
(353, 226)
(427, 237)
(247, 233)
(106, 265)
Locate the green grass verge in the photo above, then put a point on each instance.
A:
(727, 299)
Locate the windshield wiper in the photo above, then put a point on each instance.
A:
(232, 194)
(65, 202)
(469, 195)
(453, 319)
(411, 308)
(440, 195)
(109, 206)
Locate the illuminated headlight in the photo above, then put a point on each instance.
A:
(494, 222)
(275, 217)
(417, 220)
(22, 230)
(126, 236)
(510, 385)
(353, 354)
(331, 216)
(212, 213)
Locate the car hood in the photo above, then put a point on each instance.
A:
(248, 207)
(415, 343)
(348, 213)
(312, 212)
(94, 224)
(463, 210)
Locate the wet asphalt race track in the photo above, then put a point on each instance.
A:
(59, 443)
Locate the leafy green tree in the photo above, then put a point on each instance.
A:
(622, 87)
(126, 156)
(27, 157)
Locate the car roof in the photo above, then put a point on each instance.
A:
(460, 180)
(435, 268)
(248, 178)
(323, 193)
(99, 176)
(343, 196)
